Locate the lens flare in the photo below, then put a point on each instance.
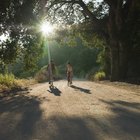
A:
(46, 28)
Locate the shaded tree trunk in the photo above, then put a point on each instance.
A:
(114, 61)
(123, 62)
(119, 61)
(107, 65)
(117, 44)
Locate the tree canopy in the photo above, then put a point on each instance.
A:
(115, 21)
(18, 21)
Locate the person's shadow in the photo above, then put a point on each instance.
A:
(81, 89)
(55, 91)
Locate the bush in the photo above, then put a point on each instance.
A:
(91, 73)
(7, 80)
(41, 76)
(98, 76)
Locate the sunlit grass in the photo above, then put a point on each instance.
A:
(8, 82)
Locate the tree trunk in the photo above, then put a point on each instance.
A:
(123, 62)
(107, 65)
(117, 43)
(114, 61)
(119, 61)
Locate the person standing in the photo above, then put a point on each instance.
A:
(69, 70)
(51, 72)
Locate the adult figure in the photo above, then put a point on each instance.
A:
(69, 70)
(51, 68)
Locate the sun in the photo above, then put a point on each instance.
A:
(46, 28)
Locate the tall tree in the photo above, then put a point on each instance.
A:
(18, 21)
(117, 21)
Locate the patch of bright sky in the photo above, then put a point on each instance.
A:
(96, 1)
(3, 37)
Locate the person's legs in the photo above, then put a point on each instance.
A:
(49, 78)
(68, 78)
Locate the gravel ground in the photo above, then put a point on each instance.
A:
(84, 111)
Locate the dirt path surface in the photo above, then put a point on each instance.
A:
(85, 111)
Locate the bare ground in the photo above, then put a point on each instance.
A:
(85, 111)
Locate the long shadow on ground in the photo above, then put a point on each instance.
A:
(81, 89)
(55, 91)
(21, 119)
(68, 128)
(123, 126)
(127, 117)
(13, 92)
(18, 116)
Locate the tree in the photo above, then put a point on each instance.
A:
(117, 21)
(19, 19)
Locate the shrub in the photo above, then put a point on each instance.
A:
(7, 80)
(41, 76)
(99, 76)
(91, 73)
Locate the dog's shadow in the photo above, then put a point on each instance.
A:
(81, 89)
(54, 90)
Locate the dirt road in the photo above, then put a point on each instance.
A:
(85, 111)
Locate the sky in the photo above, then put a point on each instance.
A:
(93, 0)
(3, 38)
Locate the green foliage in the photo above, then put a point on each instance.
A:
(83, 59)
(32, 52)
(98, 76)
(8, 51)
(120, 33)
(18, 19)
(94, 22)
(25, 46)
(41, 75)
(8, 80)
(103, 58)
(92, 72)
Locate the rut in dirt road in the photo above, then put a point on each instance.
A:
(84, 111)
